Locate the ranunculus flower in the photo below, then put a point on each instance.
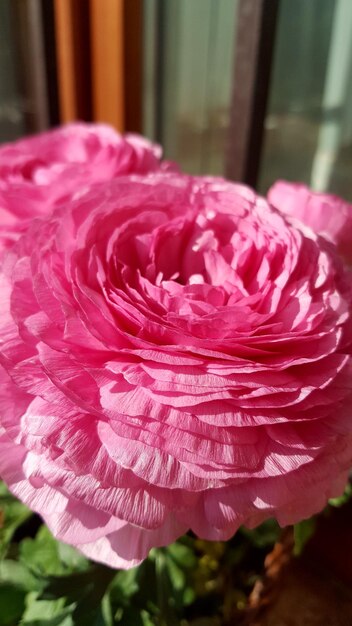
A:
(326, 214)
(40, 171)
(175, 355)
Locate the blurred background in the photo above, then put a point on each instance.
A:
(252, 89)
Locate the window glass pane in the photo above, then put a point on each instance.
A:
(188, 48)
(11, 102)
(27, 68)
(308, 130)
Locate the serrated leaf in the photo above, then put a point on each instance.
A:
(17, 574)
(41, 553)
(45, 555)
(71, 558)
(86, 589)
(44, 613)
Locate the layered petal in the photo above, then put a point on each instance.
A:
(324, 213)
(175, 355)
(39, 172)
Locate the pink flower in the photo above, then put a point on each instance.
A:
(328, 215)
(41, 171)
(175, 355)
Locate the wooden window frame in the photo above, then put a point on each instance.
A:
(99, 58)
(254, 46)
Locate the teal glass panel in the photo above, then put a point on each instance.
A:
(308, 128)
(189, 87)
(12, 104)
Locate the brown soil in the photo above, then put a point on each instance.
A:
(314, 589)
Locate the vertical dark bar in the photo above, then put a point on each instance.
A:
(51, 61)
(256, 26)
(30, 41)
(133, 46)
(159, 69)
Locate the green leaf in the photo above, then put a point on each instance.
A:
(90, 611)
(71, 558)
(189, 596)
(182, 593)
(89, 616)
(64, 619)
(86, 589)
(302, 533)
(125, 585)
(44, 613)
(17, 574)
(164, 590)
(107, 610)
(176, 574)
(132, 616)
(147, 586)
(41, 553)
(45, 555)
(12, 603)
(12, 515)
(147, 619)
(182, 555)
(72, 586)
